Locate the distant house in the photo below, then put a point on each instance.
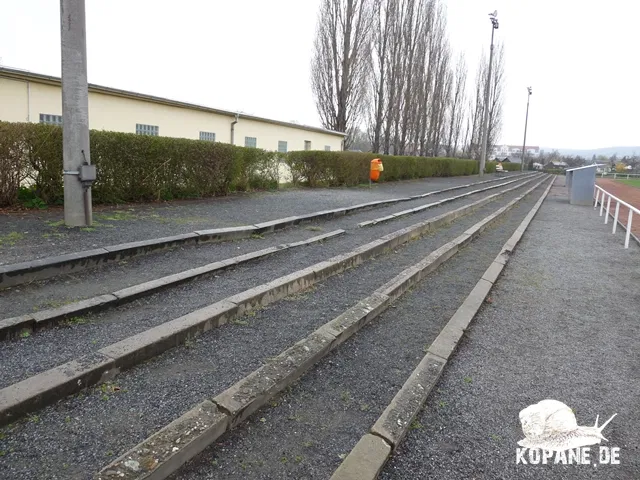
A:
(515, 151)
(553, 164)
(537, 166)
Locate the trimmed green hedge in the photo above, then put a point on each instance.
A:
(130, 167)
(133, 168)
(333, 169)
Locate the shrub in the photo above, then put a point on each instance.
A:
(332, 169)
(130, 167)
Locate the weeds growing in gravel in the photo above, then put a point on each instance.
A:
(10, 239)
(69, 322)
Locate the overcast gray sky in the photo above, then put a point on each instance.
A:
(580, 57)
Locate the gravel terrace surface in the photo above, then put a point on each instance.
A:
(563, 325)
(35, 234)
(306, 431)
(24, 357)
(112, 277)
(75, 437)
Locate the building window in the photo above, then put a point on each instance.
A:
(208, 136)
(251, 142)
(282, 146)
(51, 119)
(307, 144)
(142, 129)
(327, 148)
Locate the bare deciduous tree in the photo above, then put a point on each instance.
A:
(496, 97)
(340, 64)
(392, 59)
(457, 107)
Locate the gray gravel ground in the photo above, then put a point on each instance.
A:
(563, 325)
(100, 424)
(109, 278)
(304, 433)
(24, 357)
(35, 234)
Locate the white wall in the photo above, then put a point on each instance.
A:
(114, 113)
(13, 101)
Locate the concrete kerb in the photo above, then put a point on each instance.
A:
(156, 340)
(410, 211)
(12, 327)
(396, 419)
(365, 460)
(253, 391)
(459, 187)
(25, 272)
(160, 455)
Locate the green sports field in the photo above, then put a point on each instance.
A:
(634, 182)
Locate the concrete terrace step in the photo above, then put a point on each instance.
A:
(188, 435)
(20, 273)
(16, 325)
(39, 390)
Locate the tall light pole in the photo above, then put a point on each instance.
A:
(526, 120)
(485, 128)
(78, 173)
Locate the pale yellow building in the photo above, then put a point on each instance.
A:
(32, 97)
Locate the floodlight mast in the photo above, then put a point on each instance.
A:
(485, 127)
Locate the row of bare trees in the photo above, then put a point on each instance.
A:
(387, 65)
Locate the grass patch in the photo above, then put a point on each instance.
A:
(59, 223)
(314, 229)
(632, 182)
(11, 238)
(345, 396)
(69, 322)
(415, 425)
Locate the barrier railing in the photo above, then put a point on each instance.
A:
(615, 176)
(603, 195)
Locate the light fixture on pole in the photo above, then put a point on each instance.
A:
(526, 120)
(485, 127)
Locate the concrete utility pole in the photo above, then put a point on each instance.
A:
(75, 115)
(526, 120)
(485, 127)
